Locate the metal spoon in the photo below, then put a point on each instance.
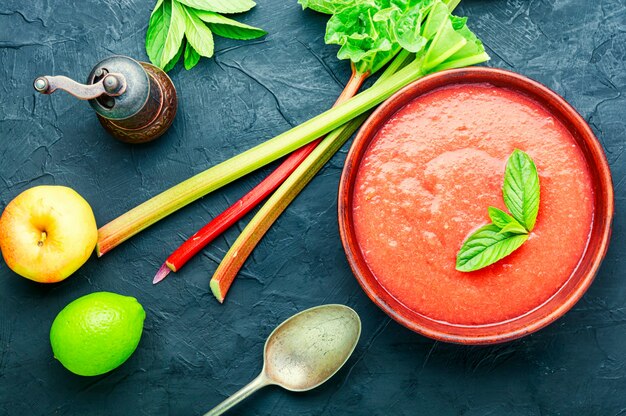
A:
(303, 352)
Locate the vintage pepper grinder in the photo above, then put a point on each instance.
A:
(135, 101)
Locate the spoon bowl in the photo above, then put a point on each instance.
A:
(311, 346)
(303, 352)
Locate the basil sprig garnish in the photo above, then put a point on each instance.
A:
(507, 232)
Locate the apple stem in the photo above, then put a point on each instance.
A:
(42, 238)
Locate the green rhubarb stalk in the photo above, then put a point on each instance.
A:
(378, 41)
(285, 194)
(270, 211)
(165, 203)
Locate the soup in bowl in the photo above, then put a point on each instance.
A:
(419, 178)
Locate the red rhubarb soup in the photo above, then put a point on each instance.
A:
(424, 186)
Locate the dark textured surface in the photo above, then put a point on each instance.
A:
(194, 352)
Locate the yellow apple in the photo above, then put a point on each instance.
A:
(47, 233)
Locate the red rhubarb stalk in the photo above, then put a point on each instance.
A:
(450, 45)
(235, 212)
(270, 211)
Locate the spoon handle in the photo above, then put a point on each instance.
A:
(256, 384)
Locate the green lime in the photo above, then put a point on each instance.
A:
(96, 333)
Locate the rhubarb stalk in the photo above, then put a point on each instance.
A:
(171, 200)
(284, 195)
(240, 250)
(450, 42)
(369, 58)
(240, 208)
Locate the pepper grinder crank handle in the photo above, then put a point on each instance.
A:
(135, 101)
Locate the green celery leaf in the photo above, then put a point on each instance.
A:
(446, 41)
(165, 32)
(438, 15)
(521, 188)
(365, 37)
(221, 6)
(191, 57)
(326, 6)
(229, 28)
(198, 34)
(371, 32)
(472, 53)
(499, 217)
(486, 246)
(407, 29)
(175, 59)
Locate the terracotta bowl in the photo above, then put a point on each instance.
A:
(569, 293)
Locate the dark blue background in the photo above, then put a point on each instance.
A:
(194, 352)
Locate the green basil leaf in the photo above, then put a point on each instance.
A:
(521, 188)
(229, 28)
(198, 34)
(221, 6)
(326, 6)
(165, 32)
(156, 6)
(499, 217)
(514, 227)
(486, 246)
(504, 221)
(191, 57)
(171, 64)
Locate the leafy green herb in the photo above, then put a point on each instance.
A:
(521, 189)
(229, 28)
(486, 246)
(174, 20)
(514, 227)
(370, 33)
(221, 6)
(165, 32)
(506, 233)
(499, 217)
(198, 35)
(326, 6)
(172, 63)
(191, 58)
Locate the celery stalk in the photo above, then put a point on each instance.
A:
(167, 202)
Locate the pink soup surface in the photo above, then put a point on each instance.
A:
(425, 184)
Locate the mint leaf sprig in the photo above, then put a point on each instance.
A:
(173, 21)
(507, 232)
